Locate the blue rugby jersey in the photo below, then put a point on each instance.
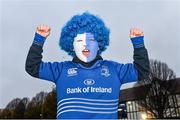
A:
(88, 92)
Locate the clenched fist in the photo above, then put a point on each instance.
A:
(135, 32)
(43, 30)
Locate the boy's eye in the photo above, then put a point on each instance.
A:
(79, 40)
(93, 40)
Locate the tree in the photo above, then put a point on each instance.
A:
(6, 114)
(19, 110)
(15, 108)
(49, 106)
(25, 101)
(158, 89)
(161, 70)
(13, 103)
(34, 108)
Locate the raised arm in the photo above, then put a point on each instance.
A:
(141, 60)
(34, 64)
(139, 70)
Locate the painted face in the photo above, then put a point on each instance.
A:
(85, 47)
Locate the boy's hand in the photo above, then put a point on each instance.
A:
(135, 32)
(43, 30)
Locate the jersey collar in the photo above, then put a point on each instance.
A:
(89, 64)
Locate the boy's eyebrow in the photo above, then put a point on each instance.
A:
(79, 40)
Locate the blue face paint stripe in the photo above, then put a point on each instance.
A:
(92, 46)
(87, 45)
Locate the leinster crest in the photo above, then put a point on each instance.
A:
(105, 71)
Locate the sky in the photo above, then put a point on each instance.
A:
(159, 19)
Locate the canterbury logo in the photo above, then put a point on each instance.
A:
(72, 72)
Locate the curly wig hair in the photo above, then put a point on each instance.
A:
(84, 23)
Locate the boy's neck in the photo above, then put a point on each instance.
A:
(87, 64)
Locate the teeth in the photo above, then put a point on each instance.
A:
(85, 50)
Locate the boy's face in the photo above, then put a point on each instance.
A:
(85, 47)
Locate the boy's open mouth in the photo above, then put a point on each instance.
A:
(86, 52)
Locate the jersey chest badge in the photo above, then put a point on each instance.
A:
(105, 71)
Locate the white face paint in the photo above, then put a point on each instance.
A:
(85, 47)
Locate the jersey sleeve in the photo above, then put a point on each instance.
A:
(50, 71)
(126, 72)
(139, 69)
(141, 59)
(36, 67)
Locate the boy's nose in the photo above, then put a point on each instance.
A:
(85, 46)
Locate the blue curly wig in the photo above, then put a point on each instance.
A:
(85, 23)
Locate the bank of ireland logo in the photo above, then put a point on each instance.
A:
(72, 71)
(105, 71)
(89, 82)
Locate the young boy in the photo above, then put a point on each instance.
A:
(88, 87)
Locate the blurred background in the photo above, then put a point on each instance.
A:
(159, 19)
